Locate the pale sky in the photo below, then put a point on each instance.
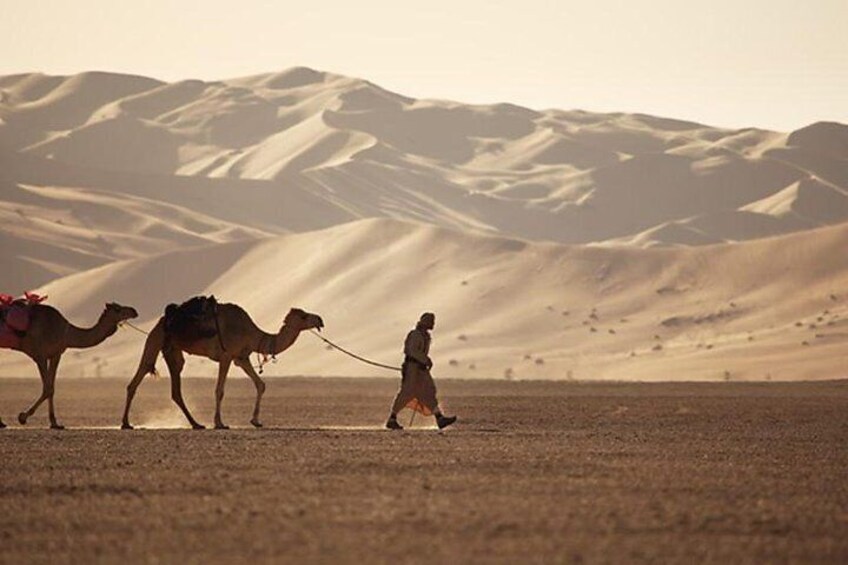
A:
(777, 64)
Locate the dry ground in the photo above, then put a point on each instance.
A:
(535, 472)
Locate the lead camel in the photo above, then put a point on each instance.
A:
(225, 334)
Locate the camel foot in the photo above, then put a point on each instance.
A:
(126, 426)
(256, 423)
(221, 426)
(22, 418)
(196, 426)
(57, 427)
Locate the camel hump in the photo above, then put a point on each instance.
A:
(171, 311)
(192, 320)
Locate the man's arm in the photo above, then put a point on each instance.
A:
(414, 347)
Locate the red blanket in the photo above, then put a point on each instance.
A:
(15, 317)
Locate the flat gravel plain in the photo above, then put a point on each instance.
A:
(534, 472)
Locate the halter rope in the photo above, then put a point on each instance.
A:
(354, 355)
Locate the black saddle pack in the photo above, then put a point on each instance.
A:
(194, 319)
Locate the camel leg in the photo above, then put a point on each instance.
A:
(152, 346)
(45, 392)
(260, 388)
(223, 368)
(131, 388)
(175, 360)
(54, 366)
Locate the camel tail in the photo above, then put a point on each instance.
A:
(170, 313)
(152, 347)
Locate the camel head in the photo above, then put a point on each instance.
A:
(302, 320)
(116, 313)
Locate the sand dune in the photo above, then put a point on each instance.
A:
(55, 231)
(552, 243)
(506, 307)
(566, 176)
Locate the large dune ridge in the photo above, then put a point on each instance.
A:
(356, 151)
(506, 308)
(551, 243)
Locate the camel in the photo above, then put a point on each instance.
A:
(235, 337)
(49, 335)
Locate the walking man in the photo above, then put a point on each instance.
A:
(417, 389)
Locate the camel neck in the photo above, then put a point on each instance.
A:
(273, 344)
(81, 338)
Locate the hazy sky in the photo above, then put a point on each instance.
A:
(777, 64)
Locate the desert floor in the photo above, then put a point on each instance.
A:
(533, 472)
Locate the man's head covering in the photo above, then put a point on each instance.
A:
(426, 321)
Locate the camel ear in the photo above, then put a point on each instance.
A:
(111, 306)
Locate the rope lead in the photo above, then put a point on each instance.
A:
(136, 328)
(354, 355)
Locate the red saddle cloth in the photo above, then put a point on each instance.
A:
(15, 317)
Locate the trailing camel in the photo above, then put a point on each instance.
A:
(48, 335)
